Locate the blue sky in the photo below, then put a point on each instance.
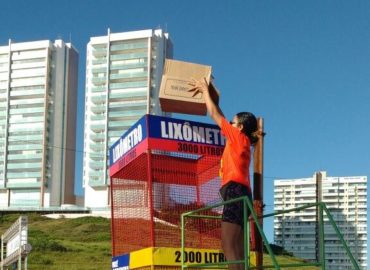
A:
(304, 66)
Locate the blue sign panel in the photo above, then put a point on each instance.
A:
(168, 134)
(184, 131)
(121, 262)
(136, 134)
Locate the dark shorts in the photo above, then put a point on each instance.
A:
(233, 212)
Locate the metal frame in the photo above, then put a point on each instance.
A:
(19, 256)
(254, 218)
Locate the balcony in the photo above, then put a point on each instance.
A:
(98, 109)
(97, 137)
(99, 69)
(141, 94)
(120, 123)
(116, 134)
(126, 114)
(23, 175)
(97, 156)
(139, 55)
(29, 120)
(130, 84)
(97, 165)
(118, 65)
(25, 147)
(97, 117)
(129, 46)
(97, 127)
(28, 93)
(26, 110)
(96, 89)
(33, 157)
(99, 52)
(99, 99)
(99, 80)
(99, 173)
(142, 74)
(24, 166)
(99, 61)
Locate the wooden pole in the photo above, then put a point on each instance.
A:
(258, 193)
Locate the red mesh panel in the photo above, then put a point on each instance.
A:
(131, 218)
(150, 194)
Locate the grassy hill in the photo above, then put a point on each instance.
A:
(75, 244)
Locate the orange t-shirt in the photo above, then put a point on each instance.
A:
(236, 156)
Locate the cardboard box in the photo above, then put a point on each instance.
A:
(174, 95)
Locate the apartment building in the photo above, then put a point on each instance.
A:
(123, 75)
(38, 104)
(346, 199)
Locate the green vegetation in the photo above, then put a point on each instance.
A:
(57, 244)
(77, 244)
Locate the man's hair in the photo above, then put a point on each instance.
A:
(249, 122)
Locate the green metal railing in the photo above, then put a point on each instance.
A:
(247, 204)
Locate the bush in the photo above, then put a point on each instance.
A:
(278, 250)
(45, 244)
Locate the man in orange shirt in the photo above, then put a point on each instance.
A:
(240, 134)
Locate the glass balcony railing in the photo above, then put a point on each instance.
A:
(98, 69)
(96, 173)
(34, 92)
(128, 84)
(97, 127)
(99, 52)
(134, 106)
(98, 109)
(98, 80)
(100, 147)
(127, 113)
(97, 137)
(24, 166)
(97, 165)
(121, 123)
(28, 101)
(116, 65)
(23, 175)
(130, 46)
(15, 128)
(99, 61)
(115, 135)
(100, 99)
(97, 117)
(130, 94)
(25, 147)
(129, 56)
(26, 138)
(26, 110)
(96, 155)
(95, 89)
(29, 120)
(32, 157)
(142, 74)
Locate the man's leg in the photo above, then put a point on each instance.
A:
(232, 244)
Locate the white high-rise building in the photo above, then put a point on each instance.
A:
(38, 104)
(123, 77)
(297, 232)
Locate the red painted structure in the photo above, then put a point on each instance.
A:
(159, 169)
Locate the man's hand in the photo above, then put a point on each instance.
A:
(198, 86)
(212, 108)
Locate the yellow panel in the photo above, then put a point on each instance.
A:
(142, 257)
(162, 256)
(172, 256)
